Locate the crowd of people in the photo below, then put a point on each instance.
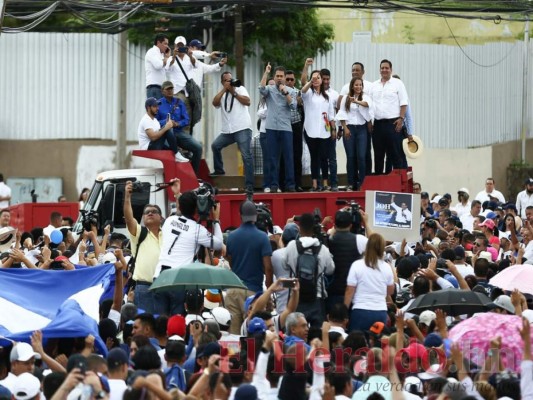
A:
(326, 312)
(364, 115)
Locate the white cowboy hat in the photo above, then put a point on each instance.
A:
(7, 237)
(414, 148)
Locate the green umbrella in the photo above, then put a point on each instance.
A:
(196, 276)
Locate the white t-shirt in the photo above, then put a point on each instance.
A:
(182, 237)
(465, 269)
(461, 209)
(4, 192)
(483, 196)
(117, 387)
(318, 112)
(235, 116)
(145, 124)
(370, 285)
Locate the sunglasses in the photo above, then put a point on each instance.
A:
(289, 79)
(151, 211)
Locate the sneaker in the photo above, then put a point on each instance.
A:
(180, 158)
(325, 189)
(349, 188)
(266, 190)
(299, 189)
(217, 173)
(274, 189)
(334, 188)
(291, 190)
(314, 189)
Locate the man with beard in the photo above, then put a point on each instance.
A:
(525, 198)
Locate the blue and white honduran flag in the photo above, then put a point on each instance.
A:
(62, 304)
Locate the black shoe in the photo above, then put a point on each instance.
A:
(217, 173)
(291, 190)
(299, 189)
(314, 189)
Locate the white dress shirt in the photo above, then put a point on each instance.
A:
(317, 109)
(523, 200)
(388, 97)
(358, 115)
(154, 66)
(4, 192)
(483, 196)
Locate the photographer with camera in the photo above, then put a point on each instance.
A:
(233, 101)
(182, 237)
(145, 247)
(309, 261)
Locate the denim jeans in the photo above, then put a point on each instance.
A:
(355, 148)
(362, 320)
(332, 163)
(154, 91)
(264, 151)
(277, 140)
(170, 303)
(243, 139)
(144, 298)
(189, 143)
(165, 142)
(315, 312)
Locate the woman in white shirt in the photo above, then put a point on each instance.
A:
(319, 125)
(370, 281)
(354, 113)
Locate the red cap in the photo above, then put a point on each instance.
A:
(176, 326)
(61, 258)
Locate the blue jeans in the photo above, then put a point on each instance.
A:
(362, 320)
(170, 303)
(154, 91)
(332, 163)
(276, 140)
(264, 150)
(165, 142)
(144, 298)
(243, 139)
(187, 142)
(355, 148)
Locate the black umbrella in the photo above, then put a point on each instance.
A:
(451, 301)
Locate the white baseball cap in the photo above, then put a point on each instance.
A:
(180, 39)
(26, 386)
(22, 352)
(426, 317)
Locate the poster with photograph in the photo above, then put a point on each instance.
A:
(393, 210)
(394, 215)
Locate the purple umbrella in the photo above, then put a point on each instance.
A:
(474, 334)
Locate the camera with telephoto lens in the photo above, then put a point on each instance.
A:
(89, 218)
(205, 199)
(236, 83)
(356, 216)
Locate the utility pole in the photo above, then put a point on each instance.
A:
(122, 96)
(525, 88)
(239, 43)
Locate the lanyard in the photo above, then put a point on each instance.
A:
(226, 103)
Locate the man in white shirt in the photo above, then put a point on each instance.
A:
(5, 193)
(182, 238)
(154, 64)
(56, 220)
(233, 101)
(5, 218)
(468, 219)
(403, 214)
(460, 262)
(117, 364)
(390, 105)
(524, 199)
(151, 135)
(490, 193)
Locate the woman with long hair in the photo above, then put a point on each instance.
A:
(354, 113)
(83, 197)
(491, 232)
(370, 281)
(319, 125)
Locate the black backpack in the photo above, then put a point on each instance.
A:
(307, 271)
(131, 263)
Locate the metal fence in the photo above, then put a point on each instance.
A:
(64, 86)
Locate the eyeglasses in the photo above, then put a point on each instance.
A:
(169, 88)
(289, 79)
(475, 244)
(151, 211)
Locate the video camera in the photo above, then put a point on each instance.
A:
(89, 218)
(354, 212)
(205, 199)
(264, 218)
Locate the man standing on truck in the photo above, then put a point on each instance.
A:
(145, 247)
(182, 238)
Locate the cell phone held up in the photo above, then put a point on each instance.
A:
(288, 283)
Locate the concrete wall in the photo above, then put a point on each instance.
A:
(79, 161)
